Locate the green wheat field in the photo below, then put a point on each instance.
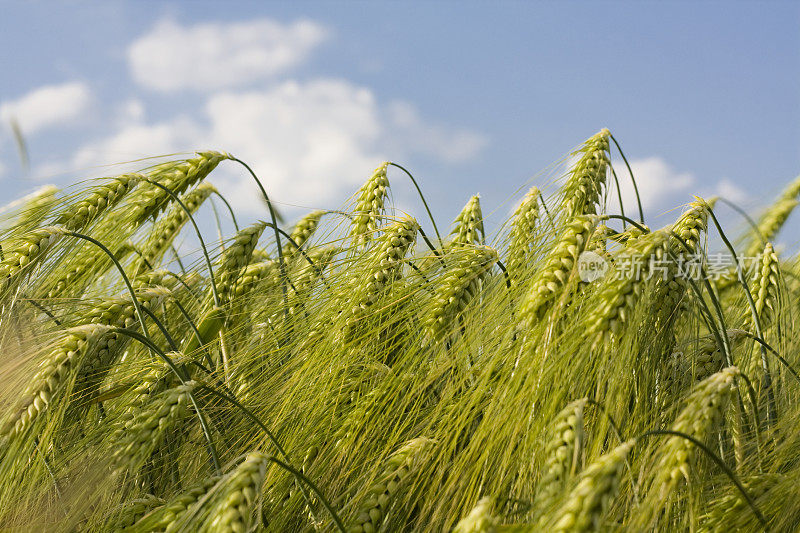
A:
(366, 370)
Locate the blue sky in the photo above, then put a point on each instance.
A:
(473, 97)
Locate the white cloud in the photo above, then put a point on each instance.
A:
(411, 130)
(658, 183)
(310, 143)
(48, 106)
(661, 187)
(730, 191)
(213, 56)
(139, 140)
(131, 111)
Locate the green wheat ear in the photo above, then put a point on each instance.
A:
(53, 379)
(563, 452)
(146, 429)
(388, 262)
(21, 255)
(479, 519)
(468, 228)
(773, 219)
(764, 286)
(391, 479)
(456, 289)
(302, 231)
(585, 505)
(587, 178)
(703, 413)
(236, 257)
(370, 205)
(560, 263)
(235, 509)
(36, 206)
(520, 248)
(167, 228)
(618, 296)
(79, 215)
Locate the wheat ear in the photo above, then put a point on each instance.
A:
(370, 205)
(235, 510)
(79, 215)
(177, 176)
(455, 290)
(586, 504)
(563, 452)
(393, 476)
(144, 431)
(587, 177)
(236, 257)
(479, 519)
(26, 251)
(548, 282)
(468, 224)
(774, 217)
(520, 247)
(618, 295)
(385, 268)
(301, 232)
(56, 372)
(703, 413)
(167, 227)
